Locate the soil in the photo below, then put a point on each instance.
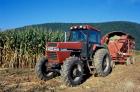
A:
(123, 78)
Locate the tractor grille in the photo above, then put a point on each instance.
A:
(52, 44)
(52, 55)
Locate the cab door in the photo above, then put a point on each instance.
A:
(84, 51)
(93, 38)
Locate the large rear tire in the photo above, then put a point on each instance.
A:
(72, 71)
(42, 71)
(102, 62)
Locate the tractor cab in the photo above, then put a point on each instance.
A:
(87, 35)
(84, 34)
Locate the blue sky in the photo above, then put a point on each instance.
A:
(18, 13)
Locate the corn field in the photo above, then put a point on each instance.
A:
(21, 49)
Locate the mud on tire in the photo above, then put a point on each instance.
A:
(72, 71)
(102, 62)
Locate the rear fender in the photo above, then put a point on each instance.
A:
(97, 47)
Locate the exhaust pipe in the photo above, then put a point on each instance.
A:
(65, 36)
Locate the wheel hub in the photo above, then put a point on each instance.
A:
(105, 63)
(76, 72)
(49, 73)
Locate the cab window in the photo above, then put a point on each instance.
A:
(78, 35)
(94, 36)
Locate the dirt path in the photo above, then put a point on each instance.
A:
(122, 79)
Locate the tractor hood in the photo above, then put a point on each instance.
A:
(65, 45)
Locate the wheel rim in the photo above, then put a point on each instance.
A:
(76, 72)
(48, 73)
(105, 64)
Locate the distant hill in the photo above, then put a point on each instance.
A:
(128, 27)
(125, 26)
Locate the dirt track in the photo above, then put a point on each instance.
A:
(122, 79)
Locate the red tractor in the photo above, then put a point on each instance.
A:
(82, 54)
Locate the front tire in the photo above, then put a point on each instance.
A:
(102, 62)
(72, 71)
(42, 71)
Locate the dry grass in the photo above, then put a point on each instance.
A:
(122, 79)
(14, 59)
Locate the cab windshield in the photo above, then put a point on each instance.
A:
(78, 35)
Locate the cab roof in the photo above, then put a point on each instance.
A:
(83, 27)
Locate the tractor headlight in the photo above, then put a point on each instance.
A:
(63, 50)
(55, 49)
(52, 49)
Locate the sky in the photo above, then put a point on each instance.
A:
(18, 13)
